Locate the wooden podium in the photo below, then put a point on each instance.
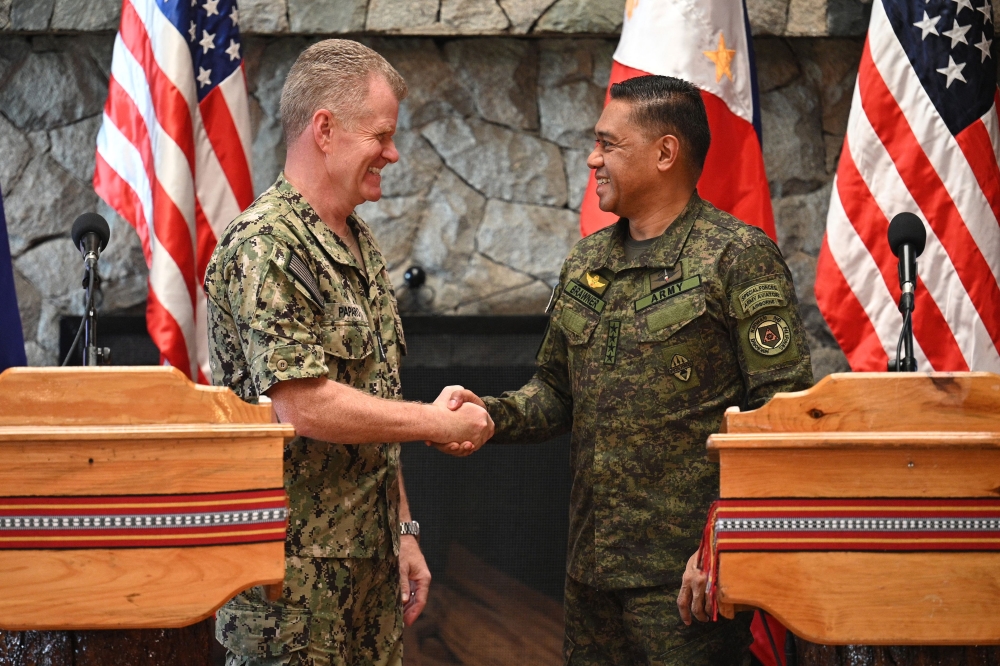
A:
(868, 435)
(156, 467)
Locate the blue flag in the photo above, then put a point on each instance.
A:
(11, 337)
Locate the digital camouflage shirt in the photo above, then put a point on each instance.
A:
(640, 360)
(287, 300)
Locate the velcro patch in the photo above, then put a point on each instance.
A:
(668, 291)
(302, 273)
(588, 300)
(758, 296)
(347, 312)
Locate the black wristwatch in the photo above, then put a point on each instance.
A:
(412, 527)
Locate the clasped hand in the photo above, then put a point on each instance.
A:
(472, 425)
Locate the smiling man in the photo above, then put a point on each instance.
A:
(301, 310)
(658, 324)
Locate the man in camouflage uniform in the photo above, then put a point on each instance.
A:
(658, 324)
(301, 309)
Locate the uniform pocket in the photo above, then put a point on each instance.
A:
(661, 321)
(250, 632)
(345, 337)
(576, 324)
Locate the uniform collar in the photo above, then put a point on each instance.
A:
(336, 248)
(667, 249)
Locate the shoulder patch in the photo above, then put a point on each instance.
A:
(298, 268)
(756, 297)
(769, 335)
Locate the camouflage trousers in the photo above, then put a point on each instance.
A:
(634, 627)
(332, 612)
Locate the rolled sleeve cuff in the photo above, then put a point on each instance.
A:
(277, 364)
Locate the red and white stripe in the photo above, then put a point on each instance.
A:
(899, 156)
(177, 170)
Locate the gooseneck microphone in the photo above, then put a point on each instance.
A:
(907, 238)
(90, 235)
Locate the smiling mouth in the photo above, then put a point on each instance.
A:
(603, 181)
(375, 170)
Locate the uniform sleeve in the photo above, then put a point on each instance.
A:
(765, 324)
(279, 323)
(543, 408)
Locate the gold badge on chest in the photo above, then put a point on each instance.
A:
(596, 282)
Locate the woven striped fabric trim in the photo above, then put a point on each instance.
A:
(857, 525)
(143, 521)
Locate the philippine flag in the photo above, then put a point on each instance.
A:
(706, 42)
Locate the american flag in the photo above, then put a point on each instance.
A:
(923, 137)
(173, 155)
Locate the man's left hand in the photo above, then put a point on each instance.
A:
(414, 578)
(693, 598)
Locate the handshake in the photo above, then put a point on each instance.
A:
(464, 424)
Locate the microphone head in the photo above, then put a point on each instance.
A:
(907, 229)
(91, 223)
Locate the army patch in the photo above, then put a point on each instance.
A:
(611, 350)
(664, 276)
(762, 295)
(668, 291)
(596, 282)
(680, 367)
(347, 312)
(769, 335)
(298, 268)
(584, 297)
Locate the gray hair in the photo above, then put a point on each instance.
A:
(333, 74)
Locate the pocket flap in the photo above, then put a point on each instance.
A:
(672, 315)
(346, 336)
(251, 632)
(577, 324)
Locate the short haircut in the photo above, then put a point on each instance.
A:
(664, 105)
(333, 74)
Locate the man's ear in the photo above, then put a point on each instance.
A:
(323, 126)
(668, 148)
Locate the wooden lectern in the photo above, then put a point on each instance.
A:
(132, 498)
(918, 436)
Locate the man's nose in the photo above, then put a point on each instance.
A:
(390, 153)
(595, 160)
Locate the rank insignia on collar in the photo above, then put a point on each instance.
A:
(595, 282)
(664, 276)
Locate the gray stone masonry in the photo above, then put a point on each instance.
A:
(787, 18)
(493, 141)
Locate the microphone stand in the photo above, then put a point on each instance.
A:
(91, 283)
(906, 362)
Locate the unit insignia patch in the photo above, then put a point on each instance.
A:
(769, 335)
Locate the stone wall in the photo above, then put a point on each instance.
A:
(493, 142)
(791, 18)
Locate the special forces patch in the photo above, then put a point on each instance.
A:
(769, 335)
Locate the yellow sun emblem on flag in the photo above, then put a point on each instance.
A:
(630, 7)
(722, 57)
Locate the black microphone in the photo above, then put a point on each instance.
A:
(907, 238)
(90, 235)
